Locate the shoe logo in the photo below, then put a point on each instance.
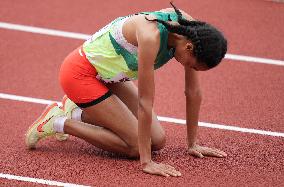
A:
(39, 128)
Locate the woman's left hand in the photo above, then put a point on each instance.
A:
(200, 151)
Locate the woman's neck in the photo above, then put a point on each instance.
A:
(173, 39)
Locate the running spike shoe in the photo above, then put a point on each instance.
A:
(67, 107)
(43, 126)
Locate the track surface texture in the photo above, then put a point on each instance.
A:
(243, 94)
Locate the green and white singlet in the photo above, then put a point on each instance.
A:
(115, 59)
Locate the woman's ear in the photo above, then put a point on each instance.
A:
(189, 46)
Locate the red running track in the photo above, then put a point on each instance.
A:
(236, 93)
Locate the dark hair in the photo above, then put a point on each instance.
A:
(210, 46)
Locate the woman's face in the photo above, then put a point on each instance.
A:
(184, 55)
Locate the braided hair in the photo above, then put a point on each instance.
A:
(210, 46)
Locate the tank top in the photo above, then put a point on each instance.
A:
(115, 59)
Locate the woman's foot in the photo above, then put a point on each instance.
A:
(43, 126)
(67, 107)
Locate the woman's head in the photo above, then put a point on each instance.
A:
(203, 42)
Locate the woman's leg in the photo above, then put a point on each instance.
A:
(118, 117)
(115, 130)
(128, 94)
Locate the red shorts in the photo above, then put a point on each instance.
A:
(78, 79)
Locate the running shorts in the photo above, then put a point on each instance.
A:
(78, 80)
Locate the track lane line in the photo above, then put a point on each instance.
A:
(45, 31)
(160, 118)
(39, 181)
(81, 36)
(223, 127)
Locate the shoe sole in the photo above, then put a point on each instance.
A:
(33, 126)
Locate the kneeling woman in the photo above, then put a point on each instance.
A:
(103, 107)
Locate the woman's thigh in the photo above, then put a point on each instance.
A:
(128, 94)
(114, 115)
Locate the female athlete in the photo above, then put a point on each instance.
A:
(103, 107)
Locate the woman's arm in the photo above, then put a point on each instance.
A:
(146, 86)
(148, 38)
(193, 102)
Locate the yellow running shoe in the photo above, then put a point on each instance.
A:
(67, 107)
(43, 126)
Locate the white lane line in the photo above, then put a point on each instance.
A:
(27, 99)
(81, 36)
(223, 127)
(39, 30)
(254, 59)
(160, 118)
(39, 181)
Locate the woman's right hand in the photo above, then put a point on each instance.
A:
(160, 169)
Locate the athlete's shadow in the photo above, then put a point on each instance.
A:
(74, 147)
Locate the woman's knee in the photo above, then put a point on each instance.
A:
(156, 146)
(159, 142)
(133, 152)
(158, 135)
